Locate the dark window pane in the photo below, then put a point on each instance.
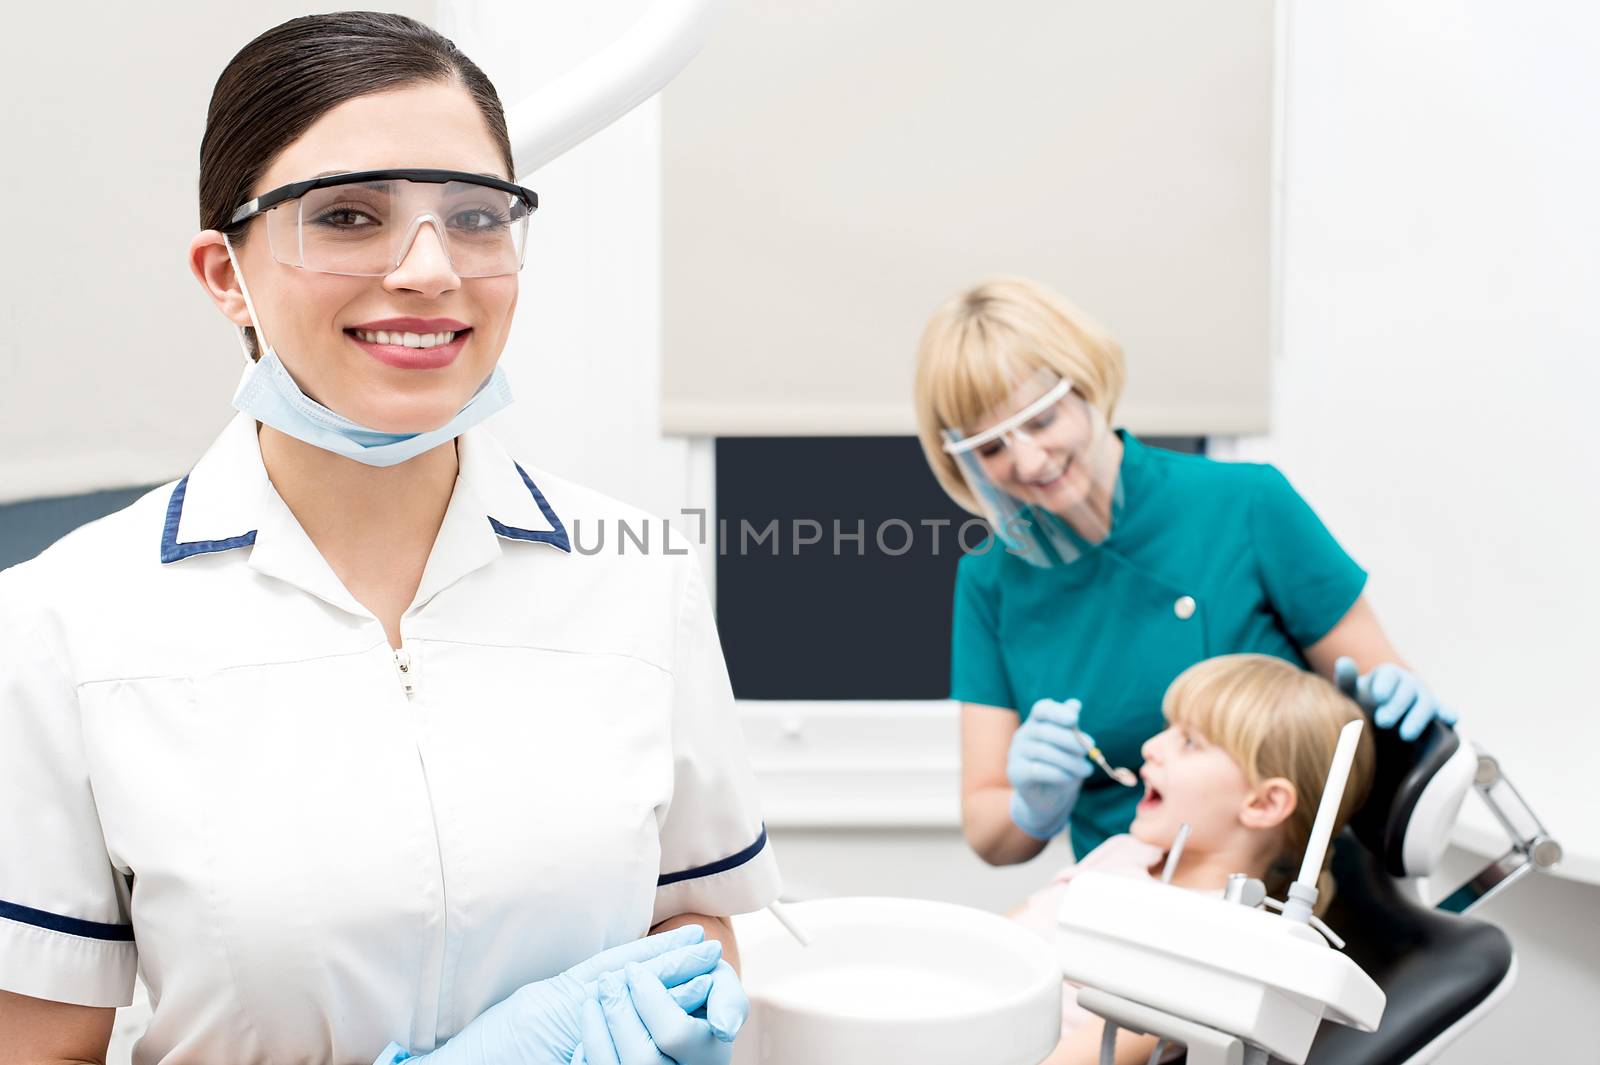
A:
(846, 620)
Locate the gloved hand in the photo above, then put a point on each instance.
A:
(1046, 766)
(1394, 695)
(539, 1023)
(634, 1020)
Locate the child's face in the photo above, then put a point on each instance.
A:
(1187, 778)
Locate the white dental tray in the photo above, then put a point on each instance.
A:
(888, 979)
(1240, 970)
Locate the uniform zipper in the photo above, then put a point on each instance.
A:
(432, 1015)
(402, 665)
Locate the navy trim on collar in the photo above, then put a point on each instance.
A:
(172, 551)
(732, 861)
(556, 536)
(72, 926)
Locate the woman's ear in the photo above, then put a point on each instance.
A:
(1269, 804)
(208, 261)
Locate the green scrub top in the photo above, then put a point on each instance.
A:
(1115, 627)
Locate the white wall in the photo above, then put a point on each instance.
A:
(115, 369)
(1435, 392)
(1434, 398)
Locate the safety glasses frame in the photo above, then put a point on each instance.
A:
(295, 189)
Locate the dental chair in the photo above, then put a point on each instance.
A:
(1441, 971)
(1438, 970)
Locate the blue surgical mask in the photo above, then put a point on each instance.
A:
(270, 395)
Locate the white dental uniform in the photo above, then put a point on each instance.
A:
(213, 766)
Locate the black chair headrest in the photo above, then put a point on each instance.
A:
(1411, 776)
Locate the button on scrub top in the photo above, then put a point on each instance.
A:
(214, 768)
(1205, 558)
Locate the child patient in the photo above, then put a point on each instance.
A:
(1243, 760)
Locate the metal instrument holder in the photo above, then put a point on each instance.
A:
(1532, 847)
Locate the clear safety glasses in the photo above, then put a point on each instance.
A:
(364, 222)
(1041, 463)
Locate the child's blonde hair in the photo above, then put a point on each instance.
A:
(984, 342)
(1276, 720)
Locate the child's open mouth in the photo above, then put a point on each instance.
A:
(1152, 799)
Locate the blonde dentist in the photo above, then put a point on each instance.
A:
(1117, 566)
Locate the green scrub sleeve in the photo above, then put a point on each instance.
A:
(977, 671)
(1308, 577)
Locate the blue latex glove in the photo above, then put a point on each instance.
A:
(540, 1023)
(1394, 696)
(634, 1020)
(1047, 766)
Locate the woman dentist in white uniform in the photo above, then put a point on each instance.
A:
(335, 739)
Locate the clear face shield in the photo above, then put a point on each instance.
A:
(363, 223)
(1044, 468)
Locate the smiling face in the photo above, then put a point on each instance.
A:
(1043, 460)
(1188, 778)
(325, 327)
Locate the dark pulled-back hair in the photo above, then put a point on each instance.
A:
(283, 81)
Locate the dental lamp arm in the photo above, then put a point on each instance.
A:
(635, 67)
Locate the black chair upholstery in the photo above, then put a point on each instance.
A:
(1401, 772)
(1434, 967)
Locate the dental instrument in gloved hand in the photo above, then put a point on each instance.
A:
(1047, 765)
(539, 1023)
(1393, 695)
(632, 1020)
(1126, 777)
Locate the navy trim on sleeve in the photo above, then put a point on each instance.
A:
(732, 861)
(172, 551)
(556, 536)
(72, 926)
